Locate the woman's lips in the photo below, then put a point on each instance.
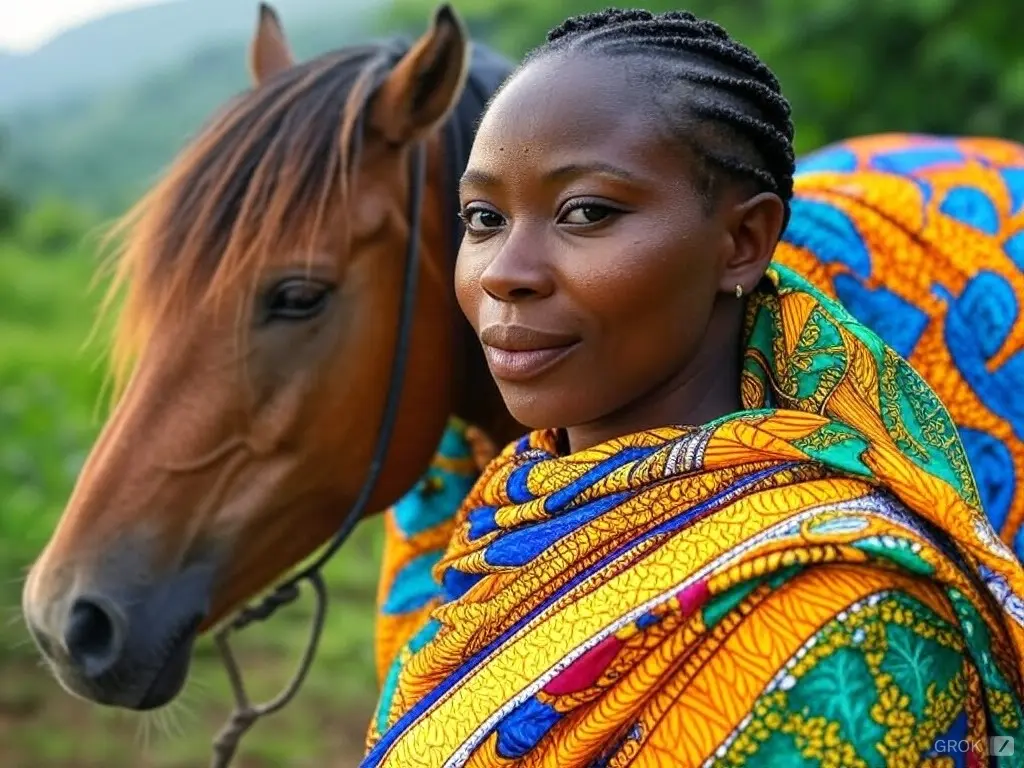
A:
(519, 352)
(524, 364)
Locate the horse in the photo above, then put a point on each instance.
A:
(260, 272)
(256, 276)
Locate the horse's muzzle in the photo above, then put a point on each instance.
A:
(127, 646)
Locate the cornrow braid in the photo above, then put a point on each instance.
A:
(730, 109)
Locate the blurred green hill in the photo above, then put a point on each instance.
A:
(100, 136)
(114, 49)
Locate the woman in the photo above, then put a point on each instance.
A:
(743, 531)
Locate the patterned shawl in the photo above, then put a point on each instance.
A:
(812, 576)
(921, 238)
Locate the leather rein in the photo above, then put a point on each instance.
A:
(246, 713)
(483, 78)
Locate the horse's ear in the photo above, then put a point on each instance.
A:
(269, 52)
(425, 84)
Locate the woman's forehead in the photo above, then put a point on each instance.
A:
(569, 115)
(562, 90)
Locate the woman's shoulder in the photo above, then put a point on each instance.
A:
(898, 662)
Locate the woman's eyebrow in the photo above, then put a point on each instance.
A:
(480, 178)
(582, 169)
(477, 178)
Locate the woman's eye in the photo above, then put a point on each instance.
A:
(481, 218)
(587, 214)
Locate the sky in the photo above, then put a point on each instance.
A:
(26, 24)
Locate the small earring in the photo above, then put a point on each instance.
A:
(739, 291)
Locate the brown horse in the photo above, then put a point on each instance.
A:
(262, 274)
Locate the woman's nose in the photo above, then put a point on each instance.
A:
(520, 270)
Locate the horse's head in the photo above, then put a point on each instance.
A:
(263, 278)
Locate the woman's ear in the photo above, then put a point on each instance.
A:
(755, 226)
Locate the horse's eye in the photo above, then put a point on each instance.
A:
(297, 299)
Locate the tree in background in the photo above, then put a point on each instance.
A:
(9, 207)
(52, 226)
(848, 68)
(49, 225)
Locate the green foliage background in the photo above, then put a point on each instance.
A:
(944, 66)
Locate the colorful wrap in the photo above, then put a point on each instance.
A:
(922, 240)
(808, 582)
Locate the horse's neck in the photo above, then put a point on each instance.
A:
(476, 398)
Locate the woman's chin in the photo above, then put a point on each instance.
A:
(532, 409)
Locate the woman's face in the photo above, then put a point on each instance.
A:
(592, 269)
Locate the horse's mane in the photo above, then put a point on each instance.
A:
(261, 176)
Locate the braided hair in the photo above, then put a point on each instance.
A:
(718, 96)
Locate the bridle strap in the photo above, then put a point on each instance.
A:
(246, 713)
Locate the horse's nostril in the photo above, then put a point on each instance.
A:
(94, 636)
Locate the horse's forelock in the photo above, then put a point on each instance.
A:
(261, 176)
